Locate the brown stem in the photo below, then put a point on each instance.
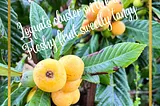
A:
(30, 62)
(156, 19)
(158, 60)
(98, 73)
(142, 92)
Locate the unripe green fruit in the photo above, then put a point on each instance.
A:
(142, 17)
(145, 0)
(138, 3)
(106, 33)
(80, 45)
(27, 79)
(142, 12)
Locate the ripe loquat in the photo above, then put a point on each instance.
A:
(49, 75)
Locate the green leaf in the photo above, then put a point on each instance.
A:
(2, 29)
(21, 63)
(38, 18)
(94, 43)
(139, 31)
(73, 25)
(105, 79)
(4, 71)
(70, 35)
(156, 11)
(4, 43)
(104, 43)
(3, 89)
(40, 98)
(68, 44)
(116, 94)
(119, 55)
(126, 3)
(18, 97)
(93, 79)
(157, 97)
(16, 42)
(59, 46)
(156, 77)
(82, 50)
(15, 33)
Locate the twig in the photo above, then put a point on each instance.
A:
(101, 73)
(158, 60)
(142, 92)
(30, 62)
(156, 19)
(98, 73)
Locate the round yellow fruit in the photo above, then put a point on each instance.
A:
(118, 28)
(104, 13)
(93, 10)
(85, 23)
(100, 25)
(73, 65)
(61, 98)
(115, 5)
(76, 96)
(49, 75)
(71, 86)
(31, 93)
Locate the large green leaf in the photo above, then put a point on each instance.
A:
(119, 55)
(38, 18)
(18, 97)
(72, 27)
(16, 42)
(4, 71)
(116, 94)
(139, 31)
(15, 33)
(40, 98)
(4, 45)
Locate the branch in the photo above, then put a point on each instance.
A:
(31, 63)
(101, 73)
(142, 92)
(98, 73)
(158, 60)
